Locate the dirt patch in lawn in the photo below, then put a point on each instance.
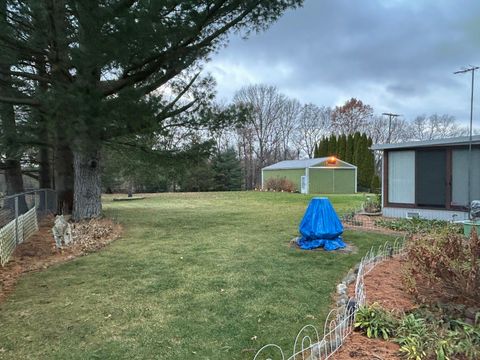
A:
(349, 249)
(363, 222)
(39, 251)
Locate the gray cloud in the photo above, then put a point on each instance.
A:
(396, 55)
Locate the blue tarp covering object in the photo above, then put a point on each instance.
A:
(320, 226)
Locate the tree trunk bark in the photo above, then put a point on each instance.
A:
(14, 181)
(13, 177)
(44, 154)
(88, 185)
(64, 179)
(45, 175)
(10, 147)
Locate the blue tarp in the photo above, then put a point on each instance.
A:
(320, 226)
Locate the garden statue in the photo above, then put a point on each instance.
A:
(62, 232)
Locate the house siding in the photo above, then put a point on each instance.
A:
(447, 215)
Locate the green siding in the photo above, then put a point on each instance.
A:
(332, 181)
(294, 175)
(344, 181)
(321, 181)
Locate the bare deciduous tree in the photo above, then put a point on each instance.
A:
(378, 130)
(286, 128)
(435, 127)
(314, 123)
(266, 106)
(353, 116)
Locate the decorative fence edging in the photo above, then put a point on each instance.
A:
(338, 325)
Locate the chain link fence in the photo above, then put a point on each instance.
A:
(19, 217)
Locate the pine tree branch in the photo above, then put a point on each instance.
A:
(183, 92)
(166, 115)
(20, 100)
(111, 87)
(26, 75)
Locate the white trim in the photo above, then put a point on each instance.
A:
(383, 181)
(307, 174)
(333, 167)
(333, 181)
(356, 185)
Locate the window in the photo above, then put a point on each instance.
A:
(401, 177)
(431, 175)
(460, 176)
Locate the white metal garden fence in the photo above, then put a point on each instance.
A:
(19, 215)
(308, 344)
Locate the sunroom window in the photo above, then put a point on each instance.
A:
(401, 177)
(460, 176)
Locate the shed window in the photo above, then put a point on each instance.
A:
(431, 178)
(460, 176)
(401, 177)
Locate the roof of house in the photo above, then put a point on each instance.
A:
(461, 140)
(302, 164)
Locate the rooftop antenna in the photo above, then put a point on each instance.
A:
(472, 70)
(390, 117)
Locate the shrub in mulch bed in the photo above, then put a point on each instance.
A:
(417, 225)
(421, 334)
(448, 263)
(441, 270)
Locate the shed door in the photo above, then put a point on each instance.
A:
(304, 185)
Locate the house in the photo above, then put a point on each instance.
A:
(429, 179)
(327, 175)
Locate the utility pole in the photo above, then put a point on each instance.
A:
(472, 70)
(390, 117)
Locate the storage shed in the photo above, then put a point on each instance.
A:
(327, 175)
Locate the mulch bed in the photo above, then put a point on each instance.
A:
(358, 346)
(383, 285)
(39, 251)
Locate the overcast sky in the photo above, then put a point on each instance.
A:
(395, 55)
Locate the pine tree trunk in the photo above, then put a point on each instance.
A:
(64, 179)
(45, 178)
(45, 175)
(87, 202)
(14, 181)
(10, 147)
(44, 155)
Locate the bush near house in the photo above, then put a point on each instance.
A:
(448, 261)
(417, 225)
(280, 184)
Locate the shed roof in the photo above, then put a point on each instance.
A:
(461, 140)
(302, 164)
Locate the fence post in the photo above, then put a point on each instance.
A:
(16, 220)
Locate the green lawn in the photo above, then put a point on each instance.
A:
(195, 276)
